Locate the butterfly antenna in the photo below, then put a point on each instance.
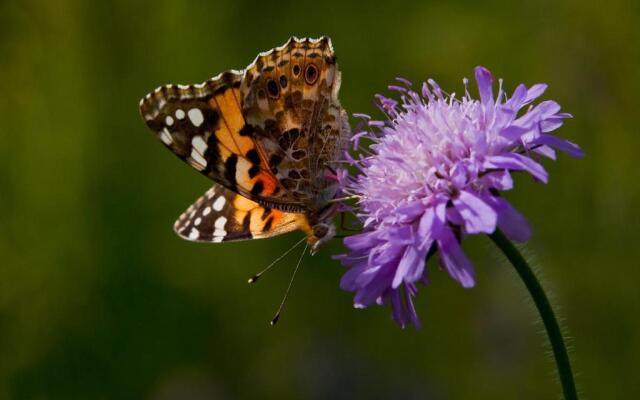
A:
(286, 294)
(257, 276)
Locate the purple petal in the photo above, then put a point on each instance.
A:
(514, 132)
(388, 254)
(566, 146)
(548, 108)
(516, 100)
(411, 310)
(426, 92)
(510, 221)
(353, 259)
(397, 310)
(503, 117)
(551, 124)
(399, 235)
(356, 138)
(542, 111)
(500, 180)
(517, 162)
(454, 261)
(404, 80)
(534, 92)
(360, 241)
(369, 294)
(454, 217)
(417, 271)
(397, 88)
(432, 221)
(545, 151)
(412, 264)
(484, 80)
(435, 88)
(412, 256)
(477, 215)
(458, 175)
(349, 279)
(409, 212)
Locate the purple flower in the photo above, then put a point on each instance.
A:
(434, 174)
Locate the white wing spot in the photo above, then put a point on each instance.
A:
(194, 233)
(196, 117)
(179, 113)
(206, 211)
(220, 223)
(198, 143)
(220, 233)
(218, 239)
(168, 120)
(197, 221)
(219, 203)
(197, 157)
(165, 136)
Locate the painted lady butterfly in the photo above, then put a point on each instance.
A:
(268, 136)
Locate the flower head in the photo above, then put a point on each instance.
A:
(435, 171)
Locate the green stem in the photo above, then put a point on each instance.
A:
(545, 310)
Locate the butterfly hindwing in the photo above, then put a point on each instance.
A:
(221, 215)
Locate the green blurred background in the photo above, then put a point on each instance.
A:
(100, 300)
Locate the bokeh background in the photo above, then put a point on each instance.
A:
(100, 300)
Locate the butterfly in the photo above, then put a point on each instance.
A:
(268, 136)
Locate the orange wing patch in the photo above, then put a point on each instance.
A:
(265, 222)
(231, 122)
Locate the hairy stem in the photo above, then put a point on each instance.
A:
(545, 310)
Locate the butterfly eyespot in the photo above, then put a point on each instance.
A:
(283, 81)
(311, 74)
(296, 70)
(273, 89)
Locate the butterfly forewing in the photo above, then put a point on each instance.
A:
(204, 125)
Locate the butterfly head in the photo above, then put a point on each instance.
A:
(322, 227)
(321, 233)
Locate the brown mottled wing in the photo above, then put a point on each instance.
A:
(204, 125)
(221, 215)
(290, 102)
